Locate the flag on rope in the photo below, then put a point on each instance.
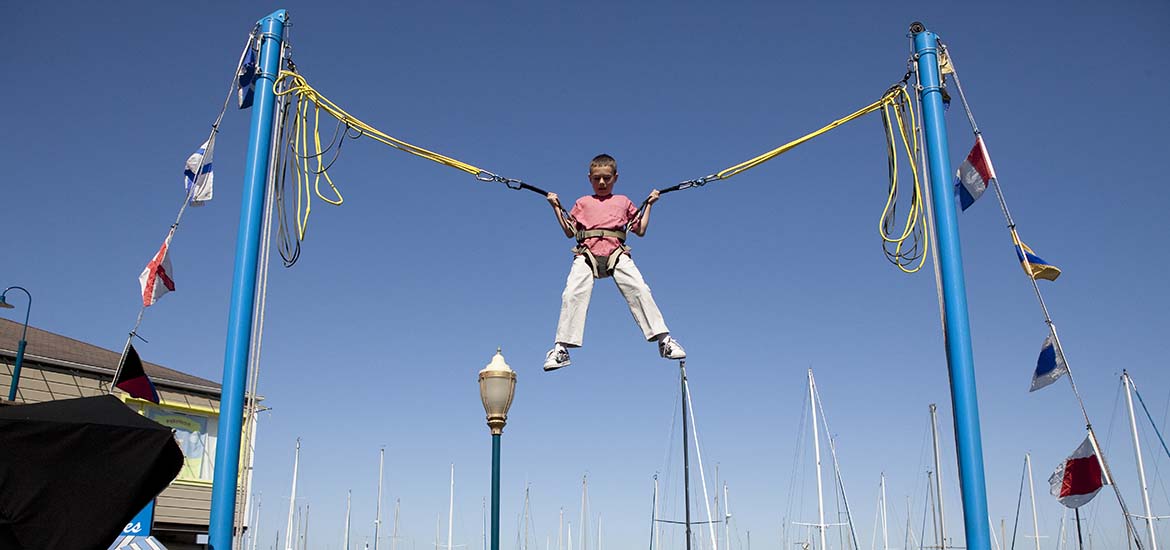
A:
(1077, 480)
(1050, 366)
(246, 78)
(132, 378)
(198, 178)
(157, 279)
(1035, 266)
(974, 175)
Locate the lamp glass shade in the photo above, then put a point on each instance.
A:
(497, 386)
(497, 392)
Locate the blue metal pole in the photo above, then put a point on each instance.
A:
(495, 492)
(19, 347)
(239, 336)
(960, 361)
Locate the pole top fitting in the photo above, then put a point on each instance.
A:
(917, 27)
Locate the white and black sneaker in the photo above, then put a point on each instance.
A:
(557, 357)
(669, 348)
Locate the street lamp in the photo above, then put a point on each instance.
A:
(497, 385)
(20, 348)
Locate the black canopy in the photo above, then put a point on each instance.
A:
(74, 472)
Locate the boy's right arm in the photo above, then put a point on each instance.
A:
(567, 227)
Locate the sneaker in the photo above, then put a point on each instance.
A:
(557, 357)
(669, 348)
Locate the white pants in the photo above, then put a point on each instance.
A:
(579, 289)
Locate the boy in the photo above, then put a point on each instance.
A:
(599, 223)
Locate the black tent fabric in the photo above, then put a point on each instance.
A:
(74, 472)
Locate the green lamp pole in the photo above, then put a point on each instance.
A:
(497, 386)
(20, 347)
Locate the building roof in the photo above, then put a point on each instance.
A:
(54, 349)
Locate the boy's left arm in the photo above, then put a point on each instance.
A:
(644, 220)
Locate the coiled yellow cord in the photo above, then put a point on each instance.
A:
(905, 253)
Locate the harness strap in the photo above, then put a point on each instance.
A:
(591, 233)
(602, 266)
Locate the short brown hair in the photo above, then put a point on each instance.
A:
(603, 160)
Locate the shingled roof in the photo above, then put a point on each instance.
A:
(54, 349)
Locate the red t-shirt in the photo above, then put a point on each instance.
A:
(608, 212)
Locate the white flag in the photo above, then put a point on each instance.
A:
(1077, 480)
(157, 279)
(1050, 366)
(197, 175)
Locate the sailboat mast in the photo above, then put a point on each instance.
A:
(599, 531)
(817, 446)
(526, 512)
(657, 525)
(378, 517)
(1032, 489)
(942, 538)
(1061, 537)
(561, 530)
(394, 535)
(726, 519)
(885, 532)
(254, 526)
(345, 540)
(289, 538)
(717, 486)
(451, 510)
(686, 454)
(654, 514)
(583, 526)
(1137, 450)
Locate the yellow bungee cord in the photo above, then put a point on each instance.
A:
(908, 248)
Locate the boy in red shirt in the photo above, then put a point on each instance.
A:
(599, 222)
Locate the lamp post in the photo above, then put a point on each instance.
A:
(20, 347)
(497, 386)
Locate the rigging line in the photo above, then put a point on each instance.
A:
(926, 502)
(1157, 465)
(921, 466)
(928, 184)
(797, 459)
(1150, 418)
(187, 197)
(666, 458)
(699, 455)
(876, 515)
(1011, 225)
(1019, 501)
(836, 465)
(248, 45)
(260, 302)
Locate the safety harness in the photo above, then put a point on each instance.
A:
(602, 266)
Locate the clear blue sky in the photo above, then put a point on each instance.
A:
(403, 293)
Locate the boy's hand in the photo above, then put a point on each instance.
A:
(553, 199)
(653, 198)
